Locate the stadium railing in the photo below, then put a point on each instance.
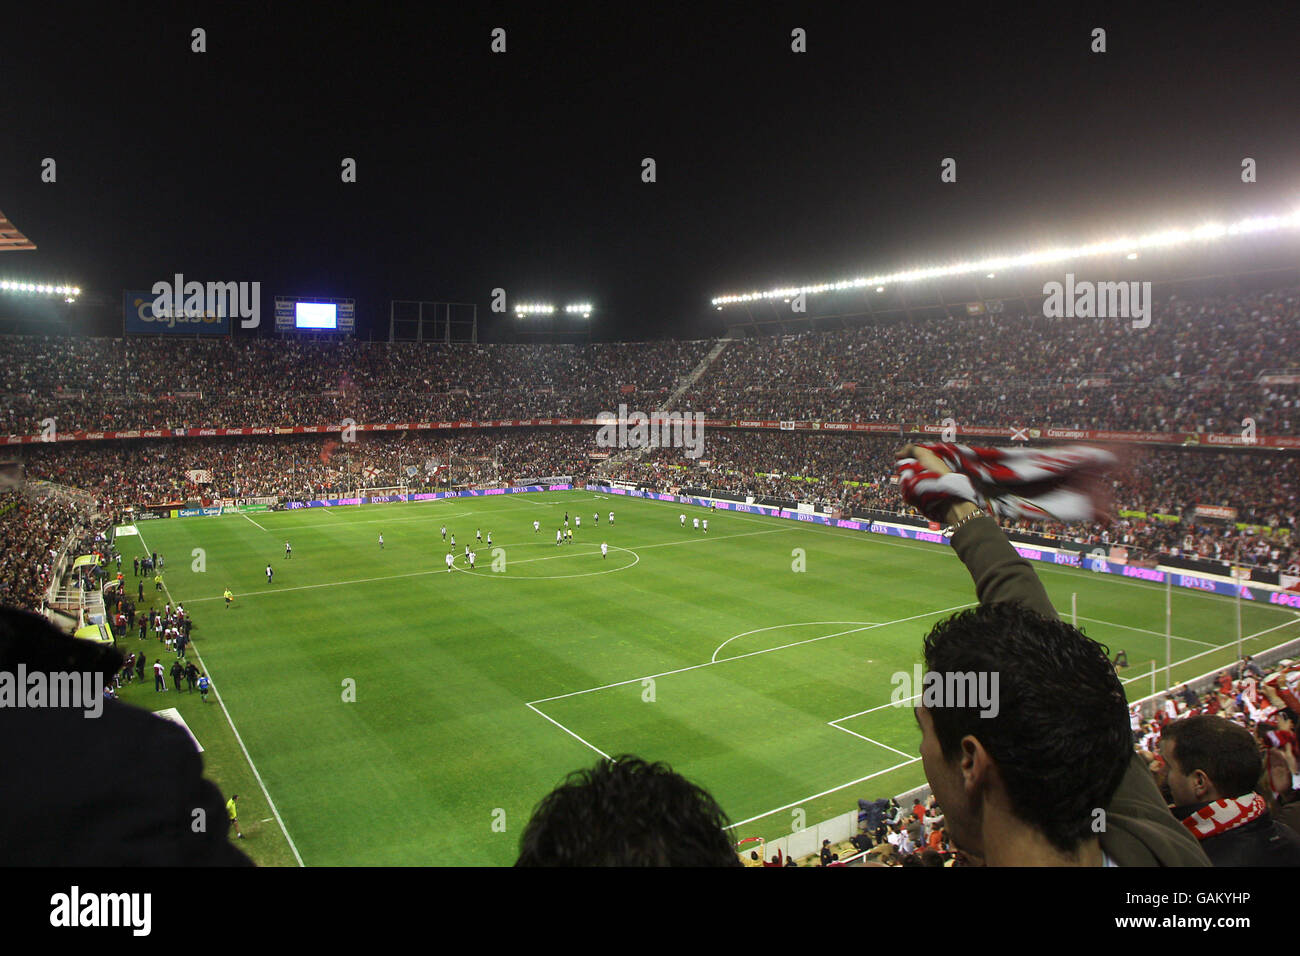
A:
(1204, 682)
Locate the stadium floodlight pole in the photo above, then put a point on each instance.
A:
(1169, 631)
(1236, 575)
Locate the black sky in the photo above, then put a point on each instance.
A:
(522, 170)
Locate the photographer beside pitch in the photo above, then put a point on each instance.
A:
(1051, 779)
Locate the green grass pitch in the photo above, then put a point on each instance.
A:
(475, 693)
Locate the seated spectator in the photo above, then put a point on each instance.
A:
(1214, 772)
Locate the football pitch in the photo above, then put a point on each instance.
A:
(372, 708)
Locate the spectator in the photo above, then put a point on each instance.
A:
(1021, 784)
(627, 812)
(1214, 769)
(77, 802)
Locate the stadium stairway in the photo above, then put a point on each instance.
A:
(686, 381)
(679, 389)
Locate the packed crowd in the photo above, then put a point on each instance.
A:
(854, 473)
(122, 473)
(107, 384)
(1196, 367)
(32, 530)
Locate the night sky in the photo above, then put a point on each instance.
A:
(522, 170)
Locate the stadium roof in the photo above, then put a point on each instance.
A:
(1129, 247)
(11, 240)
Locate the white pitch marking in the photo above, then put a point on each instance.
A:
(1129, 627)
(766, 650)
(246, 518)
(570, 732)
(815, 796)
(240, 740)
(869, 740)
(556, 577)
(775, 627)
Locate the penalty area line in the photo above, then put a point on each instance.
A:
(825, 793)
(585, 743)
(251, 521)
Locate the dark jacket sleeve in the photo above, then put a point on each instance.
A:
(1000, 574)
(1140, 830)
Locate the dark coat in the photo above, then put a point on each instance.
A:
(1262, 842)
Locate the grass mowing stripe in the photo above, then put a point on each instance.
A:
(569, 732)
(252, 766)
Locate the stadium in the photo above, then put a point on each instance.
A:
(400, 563)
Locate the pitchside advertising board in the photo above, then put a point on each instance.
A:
(138, 318)
(315, 314)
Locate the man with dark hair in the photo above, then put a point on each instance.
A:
(1059, 706)
(1214, 767)
(1043, 772)
(627, 812)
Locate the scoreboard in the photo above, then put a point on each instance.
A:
(315, 314)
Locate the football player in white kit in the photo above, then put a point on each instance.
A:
(695, 523)
(537, 526)
(451, 559)
(559, 536)
(706, 525)
(683, 520)
(611, 517)
(604, 550)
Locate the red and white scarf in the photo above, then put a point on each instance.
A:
(1055, 484)
(1224, 815)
